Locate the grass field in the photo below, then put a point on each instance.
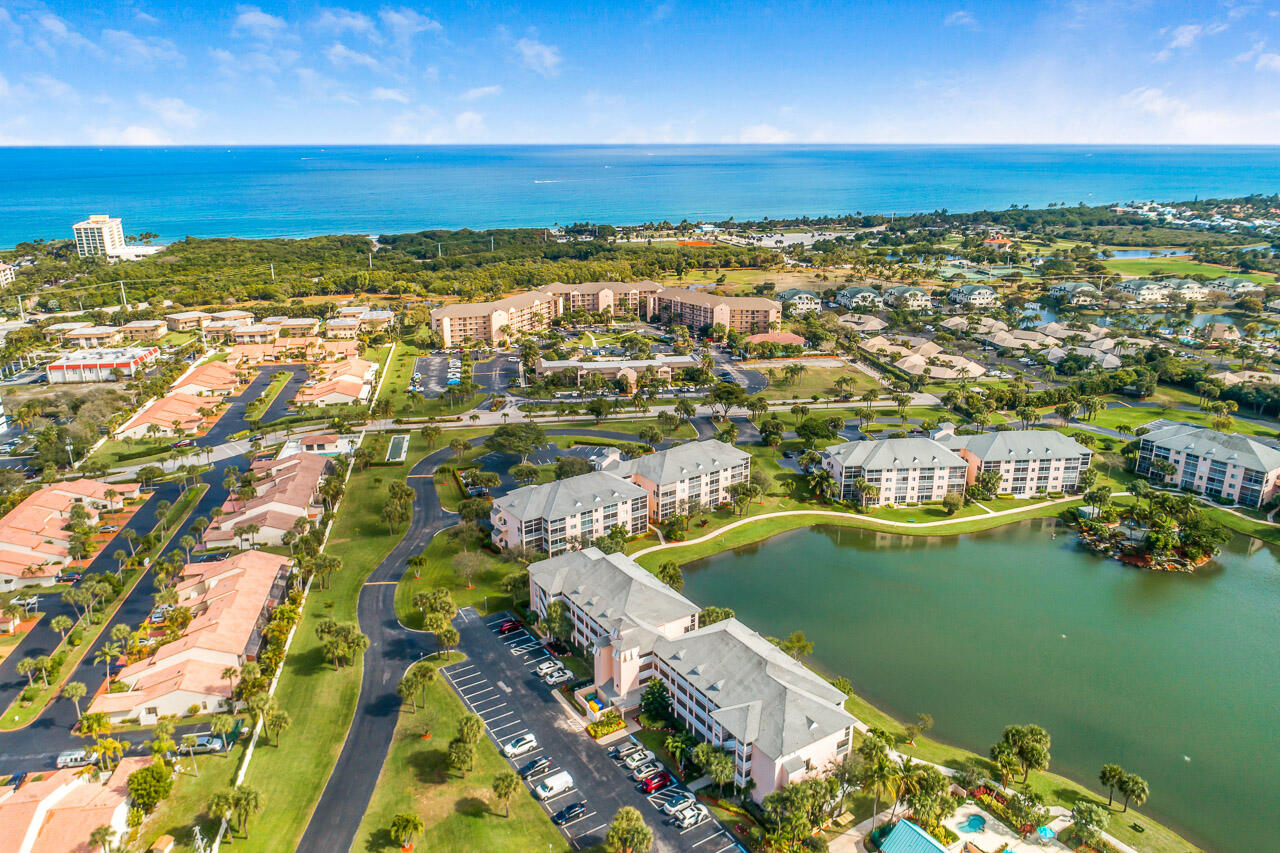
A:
(111, 450)
(1177, 266)
(460, 811)
(440, 570)
(1136, 416)
(820, 381)
(185, 808)
(256, 409)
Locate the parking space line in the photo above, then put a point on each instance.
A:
(563, 793)
(593, 830)
(474, 680)
(496, 729)
(491, 707)
(491, 720)
(482, 690)
(731, 845)
(695, 826)
(580, 818)
(454, 670)
(713, 835)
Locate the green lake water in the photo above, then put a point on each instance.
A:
(1175, 677)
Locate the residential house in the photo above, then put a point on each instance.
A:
(185, 321)
(895, 470)
(974, 296)
(343, 328)
(211, 379)
(909, 297)
(922, 357)
(1101, 357)
(1230, 466)
(8, 274)
(173, 414)
(859, 297)
(1023, 339)
(864, 322)
(145, 330)
(698, 473)
(285, 490)
(729, 686)
(1255, 377)
(800, 301)
(57, 811)
(786, 339)
(562, 515)
(298, 327)
(1029, 461)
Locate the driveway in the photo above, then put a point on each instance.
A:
(495, 374)
(496, 681)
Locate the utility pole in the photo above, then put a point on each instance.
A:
(273, 273)
(490, 244)
(439, 250)
(124, 300)
(371, 260)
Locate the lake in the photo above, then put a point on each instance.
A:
(1175, 677)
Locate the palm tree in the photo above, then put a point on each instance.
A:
(103, 836)
(75, 691)
(505, 785)
(105, 655)
(406, 827)
(823, 484)
(222, 726)
(880, 775)
(1133, 788)
(246, 801)
(1110, 777)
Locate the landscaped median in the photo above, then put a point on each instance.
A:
(256, 409)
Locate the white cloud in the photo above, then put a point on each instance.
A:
(128, 48)
(171, 111)
(469, 122)
(763, 134)
(254, 22)
(134, 134)
(480, 92)
(382, 94)
(1268, 62)
(960, 18)
(347, 21)
(54, 29)
(539, 57)
(342, 56)
(144, 18)
(318, 87)
(661, 12)
(403, 24)
(44, 87)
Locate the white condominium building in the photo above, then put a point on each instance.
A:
(903, 470)
(99, 235)
(973, 296)
(1028, 460)
(699, 471)
(730, 686)
(555, 517)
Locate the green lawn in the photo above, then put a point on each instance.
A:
(185, 808)
(817, 380)
(1178, 267)
(460, 811)
(1136, 416)
(258, 407)
(112, 449)
(440, 571)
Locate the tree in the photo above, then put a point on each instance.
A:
(75, 691)
(1110, 776)
(246, 801)
(462, 755)
(524, 473)
(470, 728)
(557, 619)
(628, 833)
(1134, 789)
(459, 446)
(62, 624)
(1089, 819)
(222, 726)
(467, 564)
(1029, 744)
(952, 501)
(149, 785)
(797, 645)
(521, 439)
(878, 773)
(102, 836)
(655, 701)
(670, 574)
(505, 785)
(711, 614)
(572, 466)
(405, 828)
(447, 638)
(276, 720)
(105, 655)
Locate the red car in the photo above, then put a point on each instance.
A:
(656, 782)
(508, 626)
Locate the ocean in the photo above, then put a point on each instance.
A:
(307, 191)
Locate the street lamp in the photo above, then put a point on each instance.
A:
(71, 454)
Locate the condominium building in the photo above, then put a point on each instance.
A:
(696, 473)
(1143, 290)
(897, 470)
(728, 685)
(1075, 292)
(230, 602)
(285, 490)
(92, 337)
(1236, 287)
(800, 301)
(185, 321)
(255, 333)
(559, 516)
(233, 315)
(859, 297)
(98, 235)
(144, 330)
(907, 296)
(8, 273)
(1186, 289)
(100, 365)
(499, 320)
(973, 296)
(697, 310)
(1220, 465)
(618, 297)
(1028, 460)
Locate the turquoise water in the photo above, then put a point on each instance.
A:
(304, 191)
(1175, 677)
(974, 823)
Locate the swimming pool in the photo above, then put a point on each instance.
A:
(974, 823)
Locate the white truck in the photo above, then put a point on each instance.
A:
(556, 783)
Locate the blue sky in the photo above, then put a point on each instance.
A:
(1070, 71)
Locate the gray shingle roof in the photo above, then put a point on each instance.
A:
(894, 453)
(1017, 444)
(570, 496)
(1224, 447)
(764, 697)
(614, 590)
(683, 461)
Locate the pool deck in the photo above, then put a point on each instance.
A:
(995, 833)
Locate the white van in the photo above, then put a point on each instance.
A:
(74, 758)
(556, 783)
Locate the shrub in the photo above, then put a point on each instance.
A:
(610, 721)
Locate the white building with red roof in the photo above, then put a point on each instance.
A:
(57, 812)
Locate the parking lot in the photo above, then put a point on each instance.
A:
(498, 683)
(495, 375)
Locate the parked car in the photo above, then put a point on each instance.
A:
(556, 783)
(635, 759)
(519, 746)
(75, 758)
(547, 667)
(508, 626)
(257, 436)
(692, 816)
(108, 528)
(542, 762)
(186, 442)
(656, 782)
(208, 743)
(622, 750)
(560, 676)
(679, 803)
(17, 779)
(573, 811)
(644, 771)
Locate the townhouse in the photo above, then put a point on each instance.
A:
(728, 685)
(342, 328)
(1144, 290)
(1025, 339)
(35, 539)
(864, 322)
(285, 490)
(57, 331)
(895, 470)
(698, 473)
(499, 320)
(859, 297)
(1236, 288)
(297, 327)
(1229, 466)
(186, 321)
(308, 348)
(697, 310)
(255, 333)
(57, 811)
(230, 602)
(800, 301)
(907, 296)
(975, 325)
(211, 379)
(144, 330)
(234, 316)
(345, 383)
(176, 413)
(565, 514)
(616, 297)
(922, 357)
(1029, 461)
(1075, 292)
(661, 367)
(973, 296)
(92, 337)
